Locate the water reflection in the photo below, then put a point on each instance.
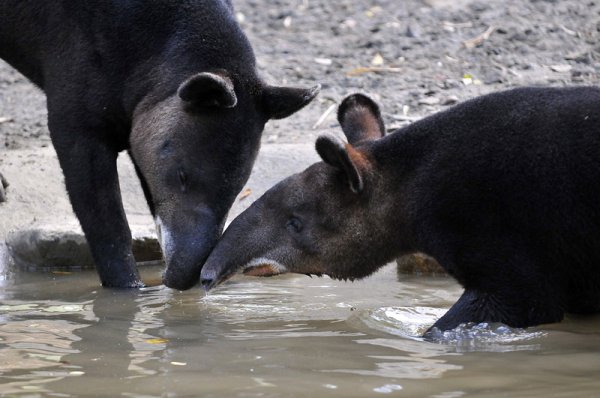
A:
(60, 334)
(34, 342)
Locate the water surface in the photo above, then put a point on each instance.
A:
(62, 335)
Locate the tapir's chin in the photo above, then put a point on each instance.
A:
(263, 267)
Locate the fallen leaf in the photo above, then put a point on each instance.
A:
(372, 69)
(247, 192)
(474, 42)
(561, 68)
(157, 341)
(371, 12)
(61, 273)
(325, 115)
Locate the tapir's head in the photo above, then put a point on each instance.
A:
(323, 221)
(194, 151)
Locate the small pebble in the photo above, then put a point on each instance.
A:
(450, 100)
(429, 101)
(561, 68)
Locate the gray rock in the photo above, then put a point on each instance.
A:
(63, 246)
(49, 248)
(40, 229)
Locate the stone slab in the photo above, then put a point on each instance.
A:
(39, 228)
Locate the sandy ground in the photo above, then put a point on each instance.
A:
(414, 56)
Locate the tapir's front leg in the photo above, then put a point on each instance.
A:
(90, 168)
(525, 306)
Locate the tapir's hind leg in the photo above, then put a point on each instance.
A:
(90, 169)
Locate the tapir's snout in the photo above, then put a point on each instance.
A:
(186, 249)
(208, 279)
(185, 261)
(183, 266)
(227, 257)
(216, 270)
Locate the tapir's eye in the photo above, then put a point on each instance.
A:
(182, 179)
(294, 224)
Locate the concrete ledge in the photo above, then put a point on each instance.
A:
(40, 229)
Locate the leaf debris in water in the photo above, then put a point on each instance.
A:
(157, 341)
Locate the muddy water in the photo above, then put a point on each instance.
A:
(291, 336)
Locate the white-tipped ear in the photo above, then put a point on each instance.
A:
(208, 89)
(360, 119)
(338, 154)
(280, 102)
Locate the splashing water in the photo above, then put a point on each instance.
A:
(413, 322)
(485, 336)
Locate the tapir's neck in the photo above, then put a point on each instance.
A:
(21, 36)
(403, 150)
(397, 159)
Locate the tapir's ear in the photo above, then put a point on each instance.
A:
(208, 89)
(343, 156)
(360, 119)
(280, 102)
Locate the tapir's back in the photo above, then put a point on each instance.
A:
(515, 174)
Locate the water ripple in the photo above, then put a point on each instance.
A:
(413, 322)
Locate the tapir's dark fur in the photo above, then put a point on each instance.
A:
(173, 82)
(503, 190)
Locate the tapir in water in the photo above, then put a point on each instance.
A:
(172, 82)
(503, 190)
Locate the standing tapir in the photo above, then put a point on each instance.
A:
(171, 81)
(503, 190)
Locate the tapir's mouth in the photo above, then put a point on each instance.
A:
(256, 267)
(263, 267)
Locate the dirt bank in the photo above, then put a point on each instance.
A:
(415, 56)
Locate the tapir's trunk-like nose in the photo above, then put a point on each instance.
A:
(222, 263)
(185, 261)
(185, 248)
(235, 249)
